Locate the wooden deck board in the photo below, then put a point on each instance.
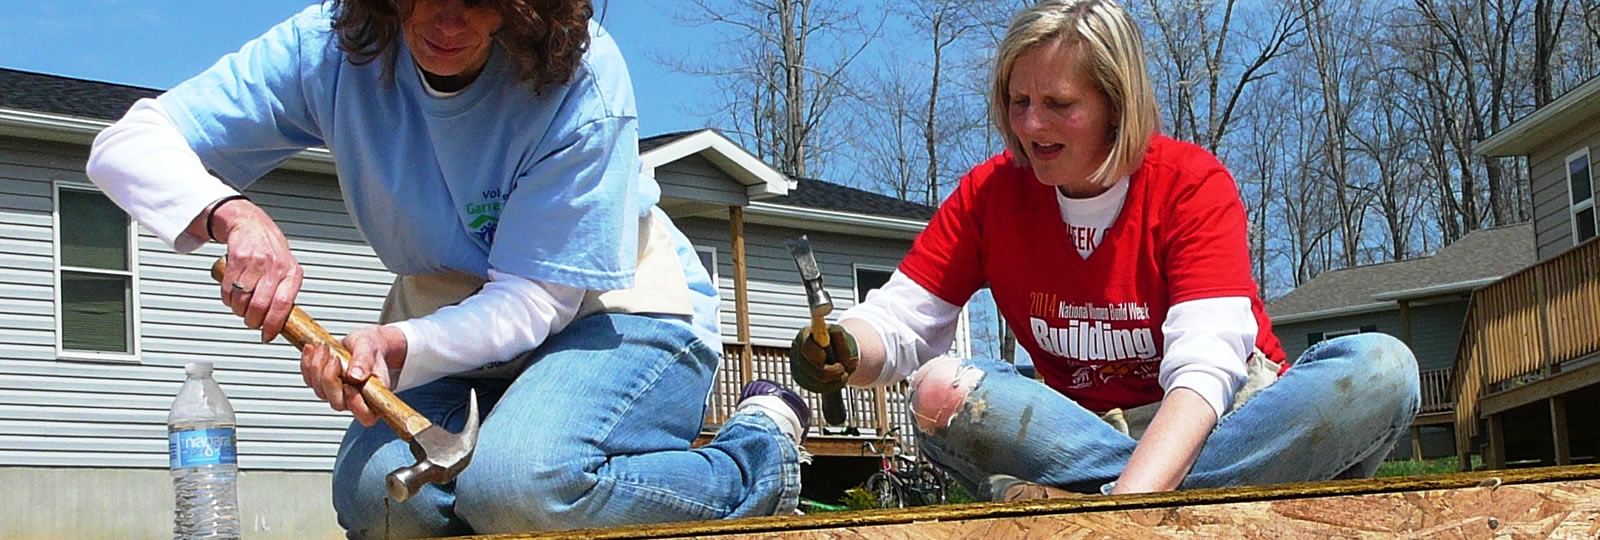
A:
(1555, 385)
(1552, 502)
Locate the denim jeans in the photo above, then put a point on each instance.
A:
(594, 431)
(1335, 414)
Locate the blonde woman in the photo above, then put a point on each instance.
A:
(1119, 257)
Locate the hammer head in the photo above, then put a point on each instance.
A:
(816, 296)
(441, 455)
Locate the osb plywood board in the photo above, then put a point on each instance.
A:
(1556, 502)
(1559, 510)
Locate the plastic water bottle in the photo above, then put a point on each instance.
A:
(203, 452)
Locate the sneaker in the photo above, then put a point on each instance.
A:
(797, 405)
(1004, 487)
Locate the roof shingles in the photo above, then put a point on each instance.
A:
(67, 96)
(1487, 253)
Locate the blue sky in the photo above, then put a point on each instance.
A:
(158, 43)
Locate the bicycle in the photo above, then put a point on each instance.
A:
(901, 480)
(885, 485)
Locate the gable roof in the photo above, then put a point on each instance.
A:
(1520, 138)
(1473, 261)
(812, 193)
(805, 192)
(652, 142)
(68, 96)
(759, 179)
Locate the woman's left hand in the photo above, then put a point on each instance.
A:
(374, 350)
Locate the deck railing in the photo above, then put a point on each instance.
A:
(1436, 395)
(870, 411)
(1525, 325)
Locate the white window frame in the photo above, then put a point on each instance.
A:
(132, 273)
(1573, 207)
(716, 283)
(855, 277)
(1332, 334)
(962, 346)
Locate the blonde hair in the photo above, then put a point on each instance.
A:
(1111, 45)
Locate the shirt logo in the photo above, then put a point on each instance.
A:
(485, 214)
(1100, 341)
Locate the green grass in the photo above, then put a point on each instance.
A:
(1430, 466)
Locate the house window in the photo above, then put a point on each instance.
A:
(1319, 337)
(1581, 189)
(869, 279)
(708, 259)
(95, 284)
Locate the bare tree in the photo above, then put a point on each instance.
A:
(942, 23)
(890, 155)
(1386, 137)
(1548, 18)
(1260, 174)
(1207, 62)
(1331, 35)
(1477, 38)
(779, 92)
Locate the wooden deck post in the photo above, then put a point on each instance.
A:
(1405, 321)
(880, 398)
(1496, 458)
(741, 294)
(1558, 430)
(1416, 443)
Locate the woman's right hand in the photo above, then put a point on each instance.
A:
(808, 362)
(263, 278)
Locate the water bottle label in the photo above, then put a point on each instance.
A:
(200, 447)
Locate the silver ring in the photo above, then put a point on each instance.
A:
(241, 288)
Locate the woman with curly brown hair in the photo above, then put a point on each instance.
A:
(488, 152)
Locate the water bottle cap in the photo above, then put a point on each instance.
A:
(197, 369)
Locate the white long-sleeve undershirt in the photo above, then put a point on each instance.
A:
(508, 316)
(145, 165)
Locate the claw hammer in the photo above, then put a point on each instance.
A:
(821, 304)
(441, 455)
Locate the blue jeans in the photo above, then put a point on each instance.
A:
(1335, 414)
(594, 432)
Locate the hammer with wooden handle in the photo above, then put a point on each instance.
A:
(821, 304)
(441, 455)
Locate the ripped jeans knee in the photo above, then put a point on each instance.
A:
(939, 389)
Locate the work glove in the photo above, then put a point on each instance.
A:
(808, 362)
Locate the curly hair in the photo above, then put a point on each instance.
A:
(547, 38)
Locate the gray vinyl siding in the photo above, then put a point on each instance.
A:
(58, 412)
(1435, 331)
(1293, 336)
(695, 178)
(1551, 216)
(777, 298)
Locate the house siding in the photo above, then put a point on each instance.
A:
(777, 297)
(56, 412)
(695, 178)
(1435, 331)
(1547, 164)
(1293, 336)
